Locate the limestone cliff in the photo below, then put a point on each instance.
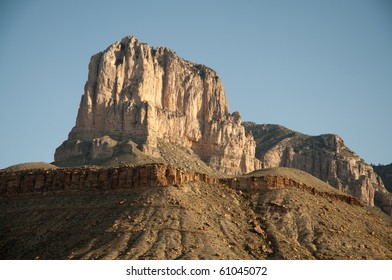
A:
(325, 157)
(142, 94)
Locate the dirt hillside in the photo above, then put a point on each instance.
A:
(193, 221)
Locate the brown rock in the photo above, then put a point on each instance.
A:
(79, 179)
(259, 230)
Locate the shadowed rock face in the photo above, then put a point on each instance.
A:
(325, 157)
(385, 172)
(138, 93)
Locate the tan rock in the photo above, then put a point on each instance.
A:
(325, 157)
(139, 93)
(103, 147)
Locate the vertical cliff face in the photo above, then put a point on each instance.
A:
(325, 157)
(138, 93)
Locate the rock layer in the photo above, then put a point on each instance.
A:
(87, 179)
(325, 157)
(269, 182)
(139, 93)
(81, 179)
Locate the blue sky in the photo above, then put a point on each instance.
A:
(313, 66)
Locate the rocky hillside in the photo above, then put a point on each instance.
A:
(139, 94)
(310, 225)
(325, 157)
(166, 213)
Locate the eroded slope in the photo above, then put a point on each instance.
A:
(303, 226)
(191, 221)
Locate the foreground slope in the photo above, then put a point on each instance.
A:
(190, 221)
(307, 219)
(301, 225)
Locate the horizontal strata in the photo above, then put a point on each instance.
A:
(139, 177)
(99, 179)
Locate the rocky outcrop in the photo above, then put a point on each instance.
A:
(81, 179)
(325, 157)
(138, 93)
(270, 182)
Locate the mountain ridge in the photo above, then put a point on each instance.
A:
(324, 156)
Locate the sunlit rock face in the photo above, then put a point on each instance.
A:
(143, 94)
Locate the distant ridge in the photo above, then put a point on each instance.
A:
(325, 157)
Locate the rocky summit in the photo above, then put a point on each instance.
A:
(144, 95)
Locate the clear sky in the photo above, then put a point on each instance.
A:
(313, 66)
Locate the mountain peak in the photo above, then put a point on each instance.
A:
(142, 94)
